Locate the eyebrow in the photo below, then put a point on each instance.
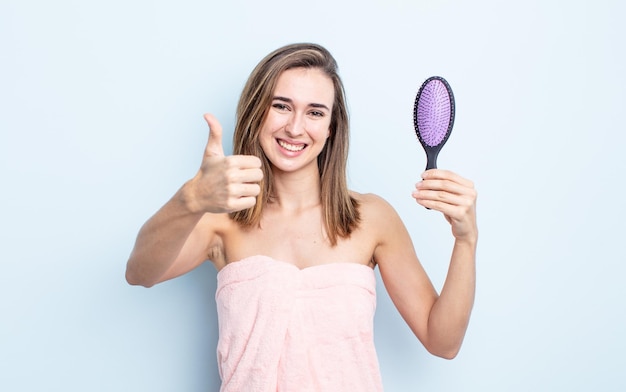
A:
(314, 105)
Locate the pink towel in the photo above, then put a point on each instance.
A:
(286, 329)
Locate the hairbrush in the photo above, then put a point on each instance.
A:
(433, 117)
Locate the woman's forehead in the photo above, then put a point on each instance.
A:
(305, 85)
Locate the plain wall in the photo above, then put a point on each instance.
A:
(101, 107)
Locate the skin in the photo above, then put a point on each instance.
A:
(194, 226)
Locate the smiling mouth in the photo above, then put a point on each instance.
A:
(291, 147)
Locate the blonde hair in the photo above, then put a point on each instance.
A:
(340, 210)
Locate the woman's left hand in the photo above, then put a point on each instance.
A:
(454, 196)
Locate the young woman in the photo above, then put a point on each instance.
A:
(295, 249)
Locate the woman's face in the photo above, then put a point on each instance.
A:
(298, 121)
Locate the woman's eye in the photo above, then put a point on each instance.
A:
(316, 113)
(280, 106)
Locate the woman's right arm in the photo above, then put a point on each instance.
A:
(181, 234)
(172, 242)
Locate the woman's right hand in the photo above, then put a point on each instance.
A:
(224, 183)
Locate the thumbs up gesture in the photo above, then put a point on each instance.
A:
(224, 183)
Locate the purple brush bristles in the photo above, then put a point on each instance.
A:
(433, 117)
(433, 113)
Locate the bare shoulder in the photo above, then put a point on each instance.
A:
(379, 218)
(374, 208)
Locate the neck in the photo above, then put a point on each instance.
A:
(296, 191)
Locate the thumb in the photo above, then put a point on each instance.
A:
(214, 145)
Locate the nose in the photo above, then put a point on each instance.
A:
(295, 125)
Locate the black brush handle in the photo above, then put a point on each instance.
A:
(431, 158)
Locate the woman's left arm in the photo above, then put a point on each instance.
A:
(438, 320)
(455, 197)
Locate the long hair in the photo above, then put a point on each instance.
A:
(340, 210)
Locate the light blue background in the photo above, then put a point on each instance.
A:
(101, 107)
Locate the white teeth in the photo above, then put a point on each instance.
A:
(291, 147)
